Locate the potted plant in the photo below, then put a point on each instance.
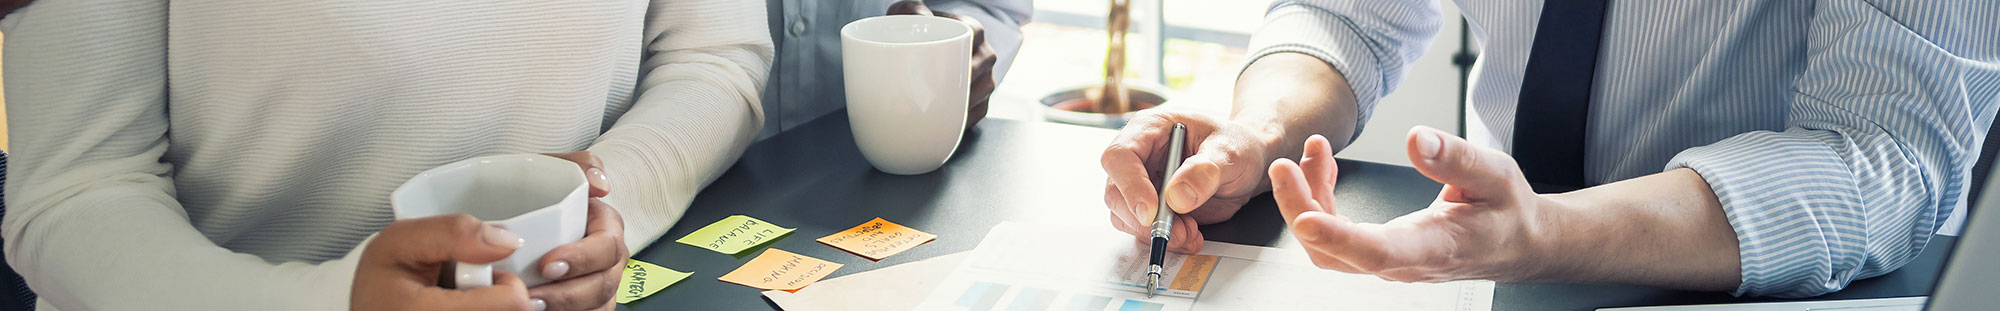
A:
(1113, 102)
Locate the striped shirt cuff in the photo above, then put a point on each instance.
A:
(1800, 225)
(1332, 38)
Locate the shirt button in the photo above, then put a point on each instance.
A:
(799, 28)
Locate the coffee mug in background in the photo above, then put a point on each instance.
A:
(541, 198)
(907, 83)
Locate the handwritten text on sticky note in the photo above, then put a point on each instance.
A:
(877, 239)
(734, 234)
(781, 270)
(643, 279)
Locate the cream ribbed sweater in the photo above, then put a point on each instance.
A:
(232, 154)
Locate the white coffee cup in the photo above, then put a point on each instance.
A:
(541, 198)
(907, 82)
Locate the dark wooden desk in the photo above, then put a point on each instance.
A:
(813, 178)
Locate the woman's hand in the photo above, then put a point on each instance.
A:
(399, 269)
(584, 274)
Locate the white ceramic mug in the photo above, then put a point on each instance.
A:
(543, 199)
(907, 78)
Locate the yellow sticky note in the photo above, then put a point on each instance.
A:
(643, 279)
(877, 239)
(734, 234)
(780, 270)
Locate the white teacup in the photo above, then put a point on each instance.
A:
(907, 82)
(541, 198)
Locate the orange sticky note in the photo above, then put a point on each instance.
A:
(780, 270)
(877, 239)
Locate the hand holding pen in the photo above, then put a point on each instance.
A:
(1163, 219)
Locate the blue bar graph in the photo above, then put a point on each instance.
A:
(1135, 305)
(1088, 303)
(985, 296)
(981, 296)
(1032, 299)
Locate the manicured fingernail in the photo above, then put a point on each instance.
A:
(597, 177)
(539, 304)
(1428, 145)
(555, 270)
(501, 237)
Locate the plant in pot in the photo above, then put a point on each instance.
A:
(1113, 102)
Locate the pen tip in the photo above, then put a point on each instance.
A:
(1151, 286)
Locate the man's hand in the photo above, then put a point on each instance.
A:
(1484, 224)
(399, 269)
(1219, 175)
(982, 60)
(584, 274)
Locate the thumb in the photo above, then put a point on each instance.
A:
(1469, 172)
(1196, 181)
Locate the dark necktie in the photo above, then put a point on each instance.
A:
(1555, 92)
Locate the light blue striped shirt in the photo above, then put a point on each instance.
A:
(1838, 134)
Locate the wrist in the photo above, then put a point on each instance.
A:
(1555, 242)
(1272, 136)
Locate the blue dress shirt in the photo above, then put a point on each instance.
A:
(1838, 134)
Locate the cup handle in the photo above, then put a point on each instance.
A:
(470, 276)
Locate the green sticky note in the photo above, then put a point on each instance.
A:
(643, 279)
(734, 234)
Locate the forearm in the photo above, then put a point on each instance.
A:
(117, 248)
(656, 166)
(1291, 96)
(1319, 67)
(1665, 230)
(696, 111)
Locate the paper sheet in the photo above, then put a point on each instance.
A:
(877, 239)
(1037, 266)
(734, 234)
(643, 279)
(888, 288)
(780, 270)
(1883, 304)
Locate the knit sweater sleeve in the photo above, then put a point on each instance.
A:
(695, 111)
(92, 220)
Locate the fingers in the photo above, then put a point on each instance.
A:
(982, 81)
(507, 293)
(1291, 190)
(1121, 216)
(586, 292)
(1197, 180)
(602, 246)
(909, 7)
(1130, 162)
(438, 239)
(1319, 168)
(1330, 237)
(983, 60)
(1186, 235)
(593, 171)
(1476, 172)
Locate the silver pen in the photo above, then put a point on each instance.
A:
(1163, 218)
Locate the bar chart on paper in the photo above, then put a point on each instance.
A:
(981, 296)
(1030, 267)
